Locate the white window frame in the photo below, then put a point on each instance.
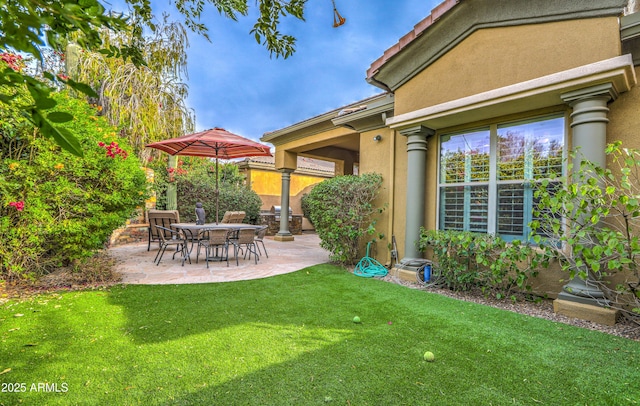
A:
(493, 183)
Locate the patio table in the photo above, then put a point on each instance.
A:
(192, 231)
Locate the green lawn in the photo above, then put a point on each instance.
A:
(290, 340)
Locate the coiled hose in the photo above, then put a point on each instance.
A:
(369, 267)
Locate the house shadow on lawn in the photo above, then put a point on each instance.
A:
(291, 339)
(157, 313)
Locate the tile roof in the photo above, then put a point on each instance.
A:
(418, 29)
(303, 163)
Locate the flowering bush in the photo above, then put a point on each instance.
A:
(13, 61)
(18, 205)
(113, 150)
(55, 207)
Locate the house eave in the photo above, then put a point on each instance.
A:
(530, 95)
(318, 124)
(372, 117)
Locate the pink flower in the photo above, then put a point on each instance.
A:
(113, 149)
(12, 60)
(18, 205)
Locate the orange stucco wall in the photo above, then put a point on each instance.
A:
(268, 185)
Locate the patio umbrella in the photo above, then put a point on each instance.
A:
(213, 143)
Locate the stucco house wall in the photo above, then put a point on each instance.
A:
(624, 124)
(493, 58)
(377, 156)
(470, 64)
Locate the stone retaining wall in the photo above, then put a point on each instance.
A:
(129, 234)
(273, 221)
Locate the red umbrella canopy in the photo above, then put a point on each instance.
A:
(215, 142)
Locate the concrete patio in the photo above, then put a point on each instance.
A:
(136, 264)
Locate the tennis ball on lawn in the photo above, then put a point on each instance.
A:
(429, 357)
(356, 319)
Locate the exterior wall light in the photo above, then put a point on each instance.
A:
(377, 138)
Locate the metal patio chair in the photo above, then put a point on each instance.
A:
(214, 239)
(245, 243)
(172, 238)
(162, 218)
(259, 238)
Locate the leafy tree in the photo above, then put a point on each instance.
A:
(27, 26)
(147, 102)
(196, 183)
(591, 224)
(341, 210)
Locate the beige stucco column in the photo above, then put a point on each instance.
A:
(416, 175)
(589, 122)
(284, 234)
(589, 127)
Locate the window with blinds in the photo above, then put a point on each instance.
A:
(486, 175)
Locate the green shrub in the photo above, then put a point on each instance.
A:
(304, 203)
(341, 211)
(196, 183)
(55, 207)
(468, 261)
(160, 180)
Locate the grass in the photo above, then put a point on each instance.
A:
(290, 340)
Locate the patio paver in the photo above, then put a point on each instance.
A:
(136, 265)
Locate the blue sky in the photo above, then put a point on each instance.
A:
(235, 84)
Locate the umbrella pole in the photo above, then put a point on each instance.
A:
(217, 190)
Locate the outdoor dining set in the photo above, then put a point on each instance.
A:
(213, 240)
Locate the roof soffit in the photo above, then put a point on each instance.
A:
(630, 26)
(407, 58)
(323, 122)
(371, 117)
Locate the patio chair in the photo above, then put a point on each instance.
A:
(227, 217)
(259, 238)
(215, 238)
(245, 239)
(162, 218)
(238, 216)
(176, 239)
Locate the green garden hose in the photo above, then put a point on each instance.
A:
(368, 267)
